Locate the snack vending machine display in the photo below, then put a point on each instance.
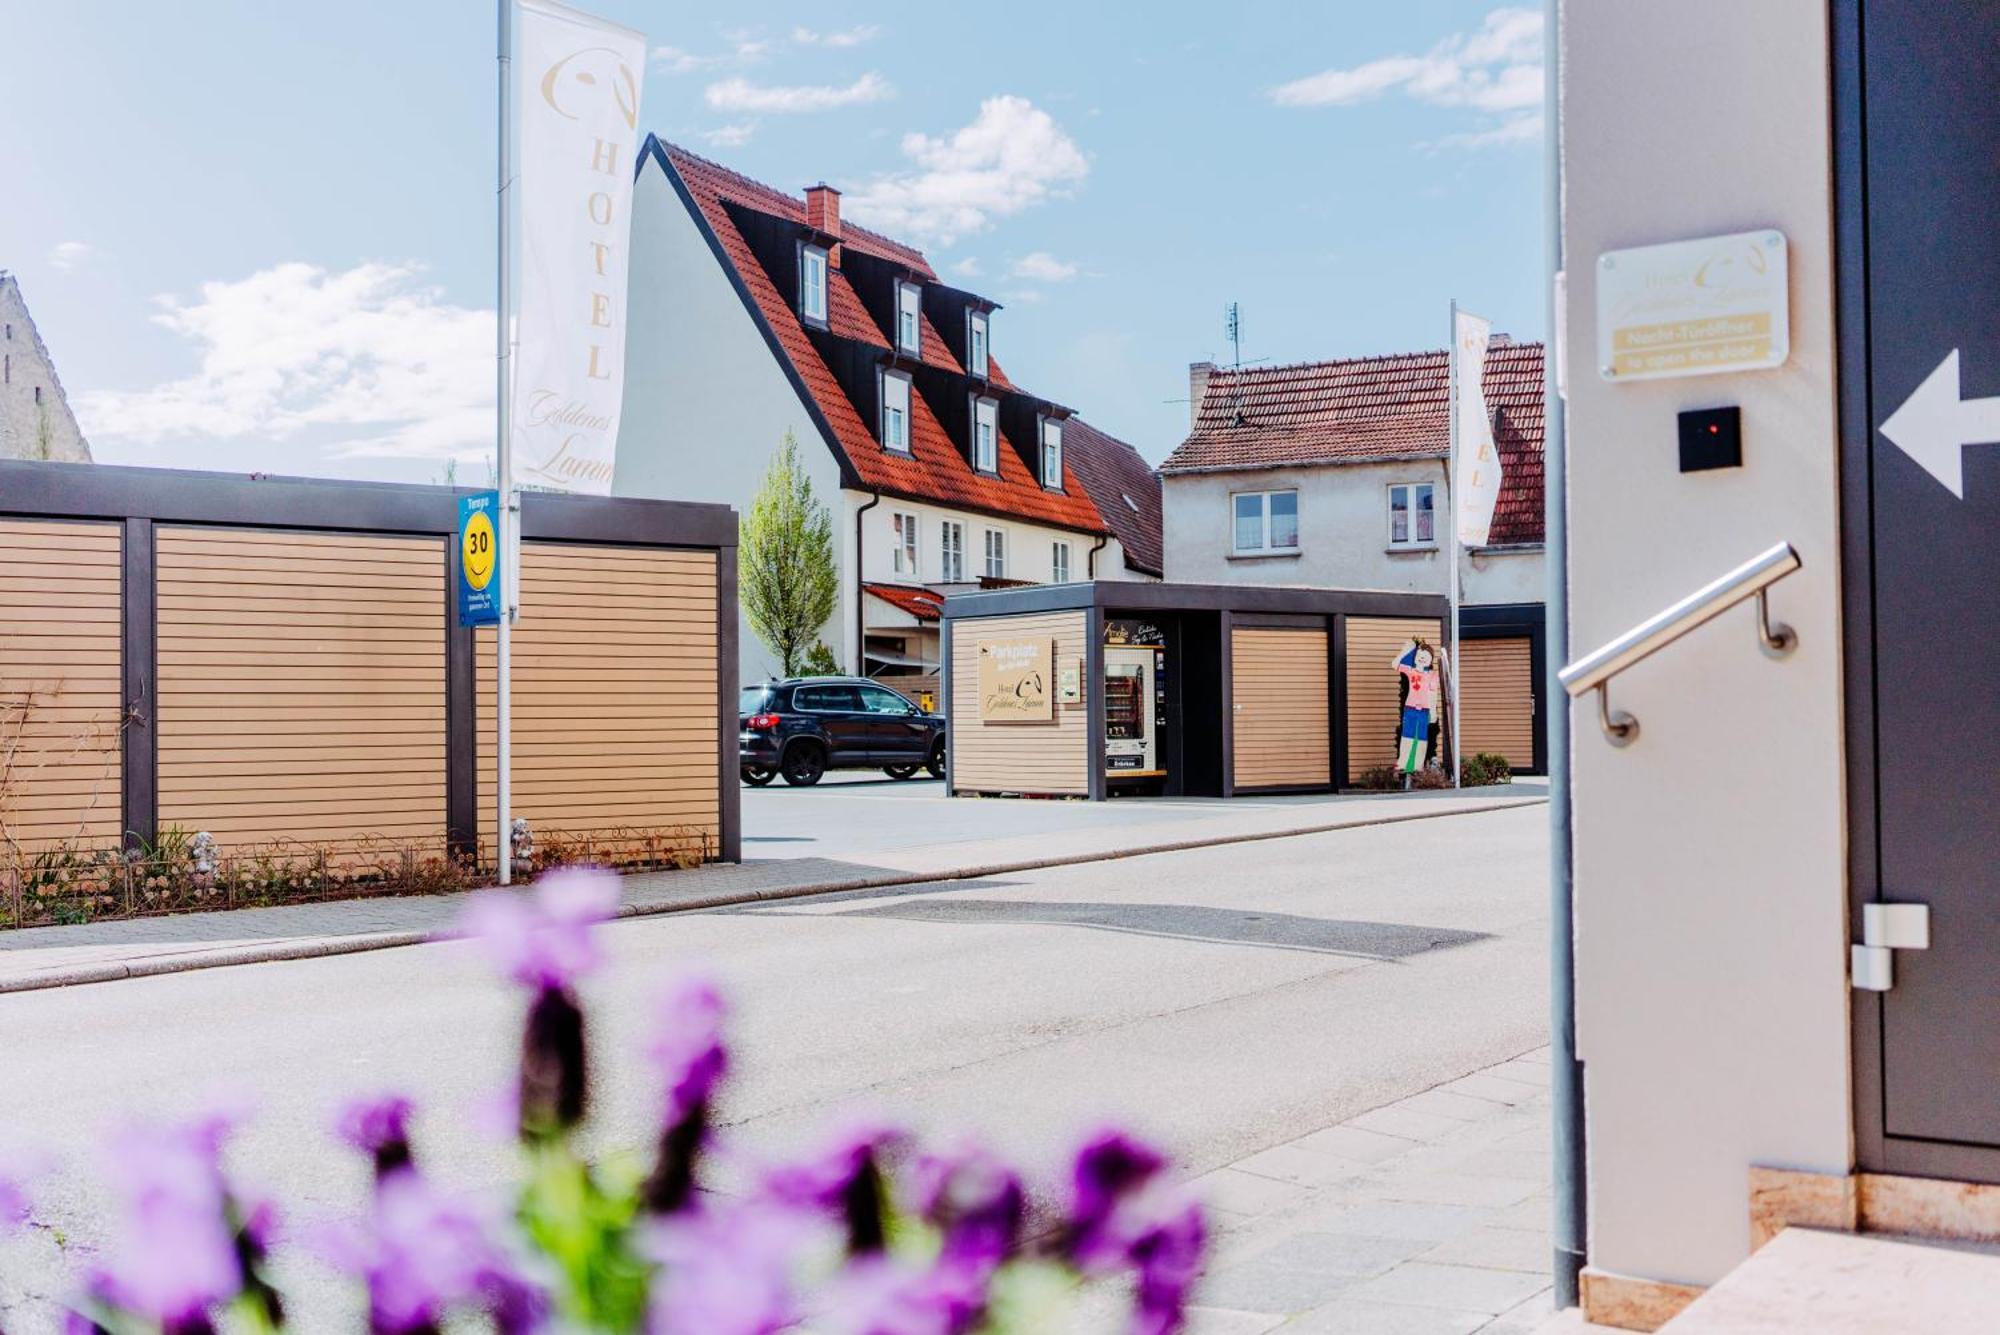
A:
(1133, 695)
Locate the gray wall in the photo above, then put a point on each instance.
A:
(29, 430)
(1710, 865)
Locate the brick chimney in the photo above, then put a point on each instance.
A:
(1198, 374)
(823, 209)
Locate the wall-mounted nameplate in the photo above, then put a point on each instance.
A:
(1703, 307)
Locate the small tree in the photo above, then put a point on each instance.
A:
(789, 588)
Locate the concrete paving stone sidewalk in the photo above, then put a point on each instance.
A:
(42, 957)
(1429, 1216)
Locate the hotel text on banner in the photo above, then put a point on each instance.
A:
(1475, 485)
(579, 118)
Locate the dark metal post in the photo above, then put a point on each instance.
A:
(1093, 695)
(461, 719)
(1566, 1072)
(728, 674)
(139, 788)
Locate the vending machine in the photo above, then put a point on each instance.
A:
(1132, 709)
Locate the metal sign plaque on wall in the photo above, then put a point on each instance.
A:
(1703, 307)
(478, 559)
(1014, 683)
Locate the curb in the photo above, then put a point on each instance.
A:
(324, 947)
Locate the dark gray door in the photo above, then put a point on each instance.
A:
(898, 733)
(1929, 131)
(839, 711)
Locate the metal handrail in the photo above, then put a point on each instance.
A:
(1752, 579)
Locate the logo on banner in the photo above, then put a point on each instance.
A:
(478, 559)
(578, 138)
(1475, 483)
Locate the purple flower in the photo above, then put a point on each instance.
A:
(845, 1176)
(878, 1295)
(1163, 1234)
(380, 1128)
(422, 1254)
(975, 1198)
(16, 1208)
(544, 940)
(174, 1254)
(1110, 1166)
(687, 1048)
(729, 1271)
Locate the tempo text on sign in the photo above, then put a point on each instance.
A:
(478, 559)
(1701, 307)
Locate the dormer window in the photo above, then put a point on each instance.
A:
(986, 435)
(896, 412)
(975, 357)
(812, 283)
(909, 319)
(1051, 454)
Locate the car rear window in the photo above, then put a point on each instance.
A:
(752, 698)
(826, 699)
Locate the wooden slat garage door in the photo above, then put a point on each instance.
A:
(615, 713)
(59, 685)
(301, 686)
(1373, 712)
(1497, 699)
(1018, 756)
(1278, 679)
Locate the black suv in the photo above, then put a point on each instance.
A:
(804, 727)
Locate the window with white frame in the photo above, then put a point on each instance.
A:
(951, 552)
(986, 435)
(896, 411)
(1059, 564)
(1051, 454)
(906, 543)
(909, 318)
(1412, 518)
(1265, 521)
(996, 554)
(812, 283)
(975, 358)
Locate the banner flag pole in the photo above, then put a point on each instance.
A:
(506, 538)
(1450, 668)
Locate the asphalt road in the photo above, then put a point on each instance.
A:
(1223, 1000)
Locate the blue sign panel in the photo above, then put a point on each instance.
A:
(479, 580)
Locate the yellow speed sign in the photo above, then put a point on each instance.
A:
(480, 550)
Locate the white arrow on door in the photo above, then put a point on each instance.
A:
(1934, 425)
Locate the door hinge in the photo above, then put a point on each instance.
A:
(1885, 929)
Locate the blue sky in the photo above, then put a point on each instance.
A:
(259, 236)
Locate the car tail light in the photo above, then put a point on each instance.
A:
(763, 723)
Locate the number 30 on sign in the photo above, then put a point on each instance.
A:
(478, 559)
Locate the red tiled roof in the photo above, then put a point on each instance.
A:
(919, 603)
(1112, 471)
(934, 470)
(1368, 408)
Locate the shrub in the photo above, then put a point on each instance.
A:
(1485, 768)
(1379, 778)
(819, 662)
(868, 1233)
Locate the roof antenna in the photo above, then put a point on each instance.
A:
(1236, 365)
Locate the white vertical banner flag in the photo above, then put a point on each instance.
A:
(1475, 483)
(579, 133)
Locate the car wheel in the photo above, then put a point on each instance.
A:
(936, 763)
(899, 771)
(803, 766)
(758, 775)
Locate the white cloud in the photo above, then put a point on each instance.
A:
(730, 136)
(740, 95)
(675, 60)
(1041, 267)
(845, 38)
(969, 267)
(68, 255)
(371, 362)
(1496, 70)
(1012, 157)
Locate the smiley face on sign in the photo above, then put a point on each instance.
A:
(480, 551)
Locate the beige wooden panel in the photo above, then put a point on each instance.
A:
(615, 723)
(1373, 711)
(1496, 702)
(301, 686)
(60, 685)
(1281, 719)
(1051, 756)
